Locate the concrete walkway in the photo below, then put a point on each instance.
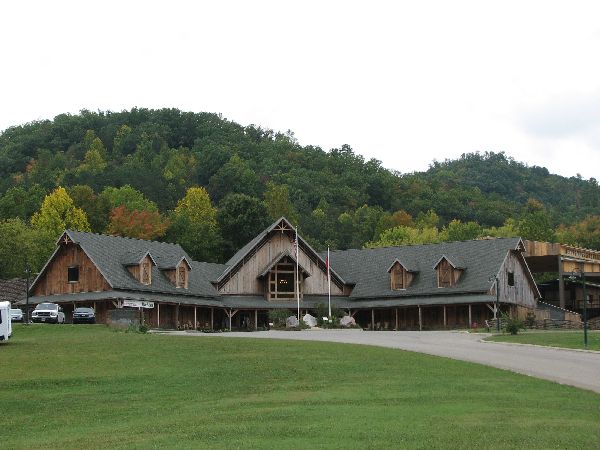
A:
(575, 368)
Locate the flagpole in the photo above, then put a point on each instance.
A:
(297, 278)
(329, 281)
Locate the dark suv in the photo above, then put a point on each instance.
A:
(84, 315)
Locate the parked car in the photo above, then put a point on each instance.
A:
(48, 312)
(16, 315)
(84, 315)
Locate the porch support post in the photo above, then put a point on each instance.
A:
(256, 319)
(177, 316)
(157, 315)
(420, 319)
(396, 319)
(372, 319)
(195, 318)
(445, 318)
(470, 316)
(212, 316)
(561, 284)
(230, 316)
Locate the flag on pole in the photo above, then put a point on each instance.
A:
(328, 281)
(297, 278)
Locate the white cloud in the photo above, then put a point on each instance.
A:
(403, 82)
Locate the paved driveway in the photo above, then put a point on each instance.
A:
(581, 369)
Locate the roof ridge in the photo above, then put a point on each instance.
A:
(124, 237)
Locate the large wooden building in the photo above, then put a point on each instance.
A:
(434, 286)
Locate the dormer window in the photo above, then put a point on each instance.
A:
(181, 280)
(447, 273)
(400, 276)
(146, 271)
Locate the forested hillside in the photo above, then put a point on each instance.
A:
(211, 184)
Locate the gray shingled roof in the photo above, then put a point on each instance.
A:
(12, 290)
(367, 268)
(109, 253)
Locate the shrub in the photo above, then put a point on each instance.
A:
(143, 328)
(530, 319)
(278, 317)
(512, 325)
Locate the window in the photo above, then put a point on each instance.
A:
(511, 278)
(146, 272)
(281, 281)
(182, 276)
(397, 275)
(445, 275)
(73, 274)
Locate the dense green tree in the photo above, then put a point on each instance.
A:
(278, 203)
(34, 247)
(129, 197)
(96, 207)
(462, 231)
(236, 176)
(240, 218)
(20, 202)
(403, 235)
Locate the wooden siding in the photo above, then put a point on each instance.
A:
(245, 280)
(522, 293)
(54, 279)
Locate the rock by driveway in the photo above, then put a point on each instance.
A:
(575, 368)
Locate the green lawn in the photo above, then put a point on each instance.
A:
(566, 339)
(90, 387)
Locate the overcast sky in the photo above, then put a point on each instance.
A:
(403, 82)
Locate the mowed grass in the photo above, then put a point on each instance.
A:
(566, 339)
(90, 387)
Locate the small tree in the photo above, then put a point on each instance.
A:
(512, 325)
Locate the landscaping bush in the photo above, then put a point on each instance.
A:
(278, 317)
(512, 325)
(530, 319)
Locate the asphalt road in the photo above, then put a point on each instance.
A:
(575, 368)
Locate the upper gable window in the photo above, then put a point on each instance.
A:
(73, 274)
(510, 278)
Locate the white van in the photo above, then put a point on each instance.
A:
(5, 322)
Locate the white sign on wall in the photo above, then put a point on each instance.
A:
(138, 304)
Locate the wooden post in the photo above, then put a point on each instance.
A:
(470, 316)
(177, 316)
(157, 315)
(420, 319)
(445, 320)
(561, 284)
(230, 314)
(212, 316)
(256, 319)
(195, 321)
(396, 319)
(372, 319)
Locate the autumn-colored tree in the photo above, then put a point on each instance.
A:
(194, 226)
(137, 224)
(58, 212)
(196, 205)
